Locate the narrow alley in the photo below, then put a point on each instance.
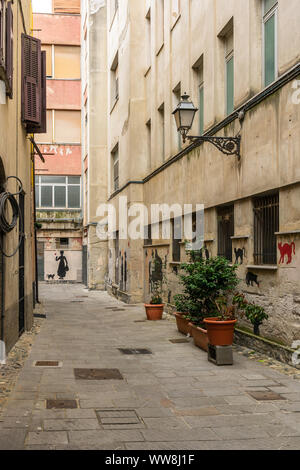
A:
(165, 396)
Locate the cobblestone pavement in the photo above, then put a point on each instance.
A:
(170, 399)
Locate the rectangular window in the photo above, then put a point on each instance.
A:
(270, 11)
(229, 75)
(161, 127)
(160, 23)
(176, 238)
(149, 136)
(39, 6)
(67, 127)
(115, 168)
(67, 62)
(175, 6)
(225, 231)
(69, 6)
(114, 5)
(48, 49)
(176, 100)
(148, 28)
(48, 137)
(114, 80)
(58, 192)
(148, 235)
(62, 243)
(266, 224)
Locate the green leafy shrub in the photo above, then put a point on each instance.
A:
(254, 313)
(205, 283)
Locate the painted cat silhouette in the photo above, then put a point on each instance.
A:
(287, 250)
(239, 255)
(252, 278)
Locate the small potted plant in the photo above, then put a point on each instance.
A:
(254, 313)
(220, 328)
(155, 309)
(182, 316)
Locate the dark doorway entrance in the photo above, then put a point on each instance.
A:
(84, 265)
(22, 266)
(41, 261)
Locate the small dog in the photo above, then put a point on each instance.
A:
(51, 276)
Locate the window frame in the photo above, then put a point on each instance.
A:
(273, 11)
(222, 212)
(115, 162)
(228, 58)
(264, 203)
(39, 184)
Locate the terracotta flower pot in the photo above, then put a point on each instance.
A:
(220, 333)
(200, 337)
(183, 325)
(154, 312)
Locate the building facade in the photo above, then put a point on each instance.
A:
(58, 179)
(239, 62)
(18, 118)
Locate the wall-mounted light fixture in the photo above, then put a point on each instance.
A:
(184, 116)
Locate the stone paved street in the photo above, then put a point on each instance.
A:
(170, 399)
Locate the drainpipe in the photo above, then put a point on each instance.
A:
(35, 237)
(2, 289)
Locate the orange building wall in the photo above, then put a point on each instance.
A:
(62, 94)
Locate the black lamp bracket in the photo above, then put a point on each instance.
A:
(227, 145)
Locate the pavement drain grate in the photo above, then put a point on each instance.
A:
(265, 396)
(98, 374)
(39, 315)
(140, 321)
(61, 404)
(76, 301)
(179, 341)
(47, 364)
(135, 351)
(119, 419)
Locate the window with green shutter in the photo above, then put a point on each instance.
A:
(270, 41)
(229, 73)
(230, 84)
(201, 109)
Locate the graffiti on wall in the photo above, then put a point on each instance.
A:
(155, 271)
(286, 250)
(252, 279)
(63, 266)
(239, 255)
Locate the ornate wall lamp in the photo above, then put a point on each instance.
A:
(184, 116)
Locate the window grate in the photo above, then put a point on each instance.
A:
(266, 224)
(225, 232)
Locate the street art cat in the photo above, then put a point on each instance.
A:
(239, 255)
(51, 276)
(287, 250)
(252, 278)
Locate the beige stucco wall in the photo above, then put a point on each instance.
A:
(270, 138)
(15, 154)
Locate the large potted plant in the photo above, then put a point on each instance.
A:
(205, 281)
(155, 309)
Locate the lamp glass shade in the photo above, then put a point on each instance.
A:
(184, 114)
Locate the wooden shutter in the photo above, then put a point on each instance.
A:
(9, 48)
(42, 127)
(31, 80)
(66, 6)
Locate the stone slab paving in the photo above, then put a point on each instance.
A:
(173, 399)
